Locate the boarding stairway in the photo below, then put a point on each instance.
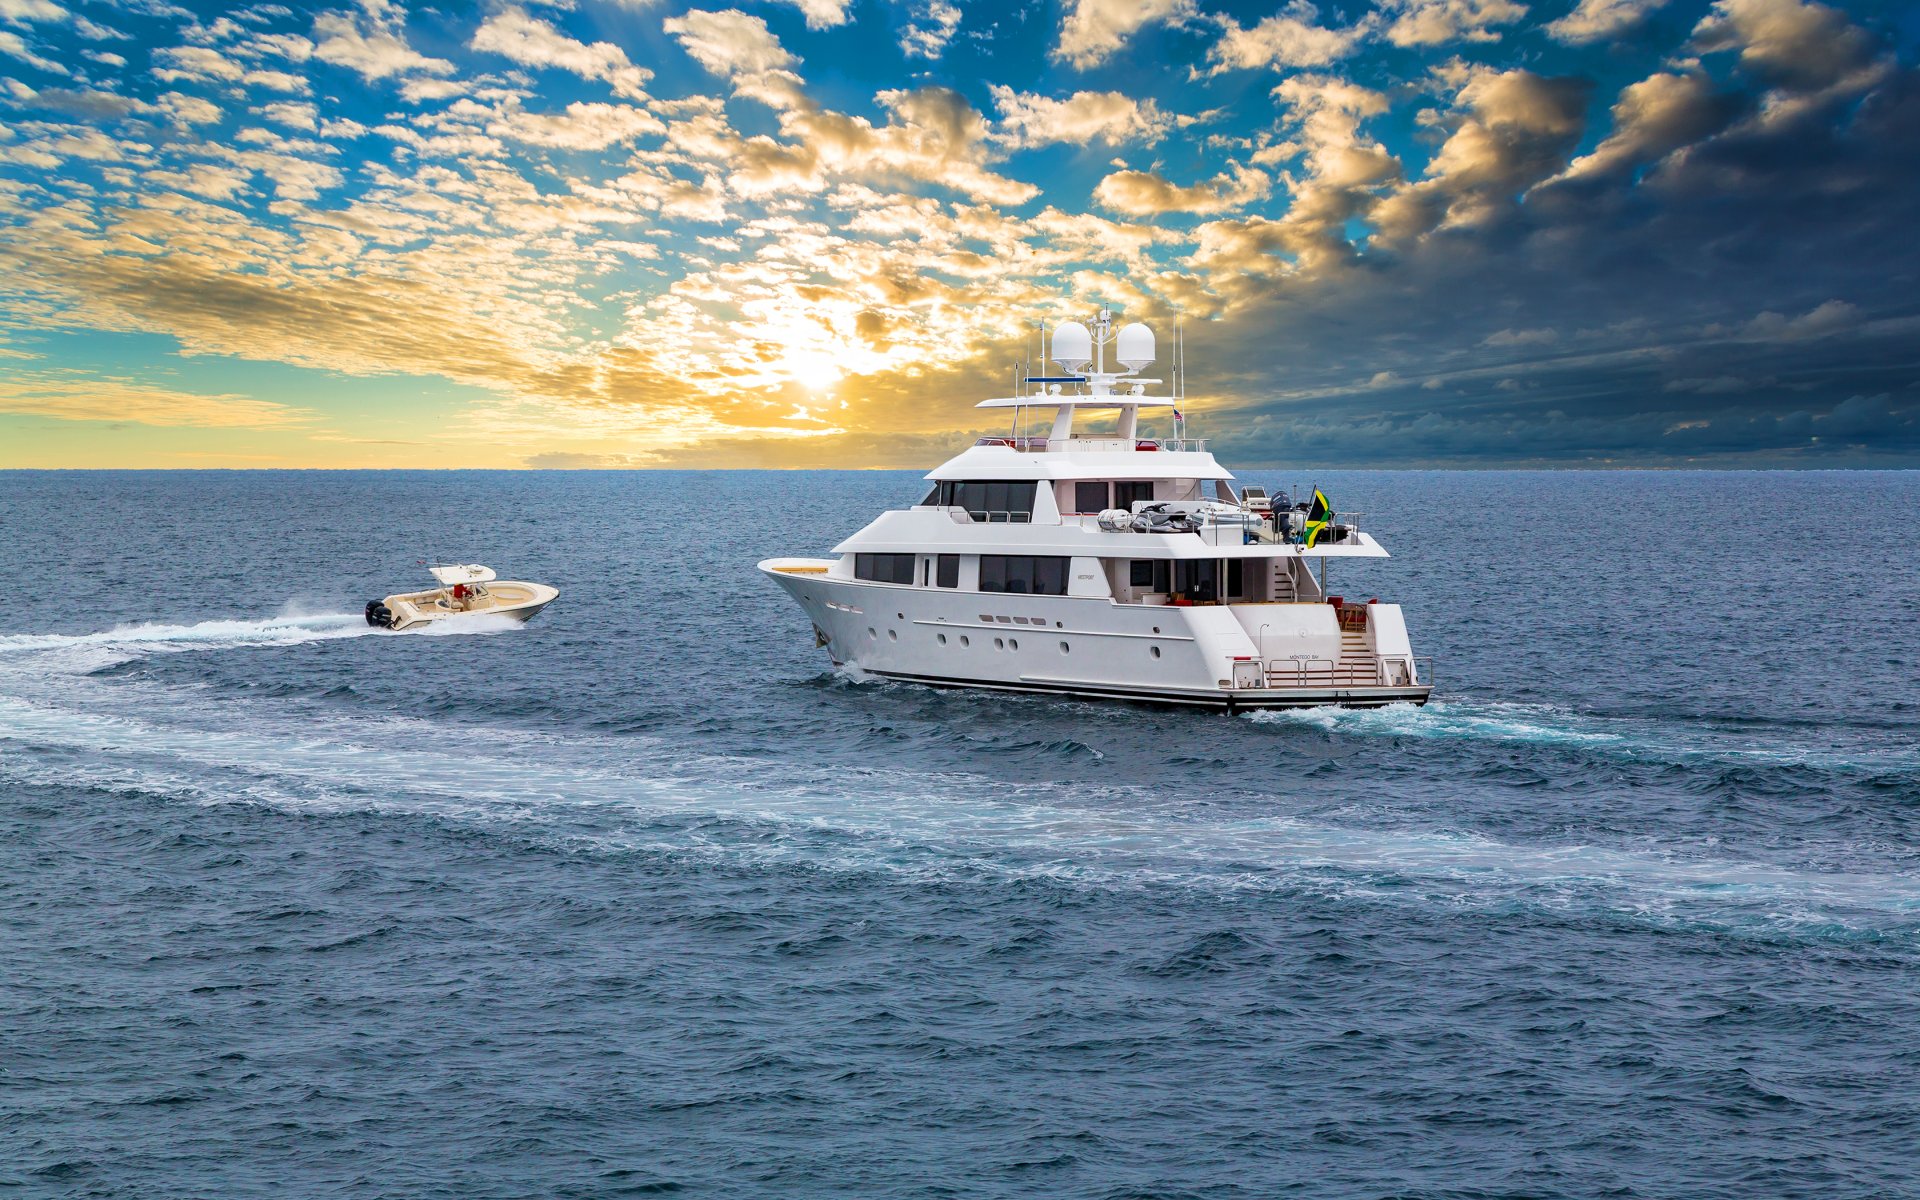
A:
(1357, 665)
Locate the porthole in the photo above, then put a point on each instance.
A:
(892, 636)
(1156, 629)
(999, 643)
(1154, 650)
(872, 633)
(1013, 643)
(942, 637)
(1065, 649)
(965, 640)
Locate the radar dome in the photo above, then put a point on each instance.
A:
(1135, 346)
(1072, 345)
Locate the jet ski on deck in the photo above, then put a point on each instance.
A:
(466, 590)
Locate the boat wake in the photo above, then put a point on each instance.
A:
(80, 653)
(83, 652)
(607, 793)
(1620, 738)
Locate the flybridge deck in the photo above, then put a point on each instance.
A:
(1118, 566)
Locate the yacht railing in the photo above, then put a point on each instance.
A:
(1036, 445)
(978, 516)
(1372, 672)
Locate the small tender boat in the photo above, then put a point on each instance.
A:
(467, 590)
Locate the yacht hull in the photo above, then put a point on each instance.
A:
(1062, 645)
(514, 599)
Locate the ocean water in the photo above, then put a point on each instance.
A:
(642, 898)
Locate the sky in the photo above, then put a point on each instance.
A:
(814, 233)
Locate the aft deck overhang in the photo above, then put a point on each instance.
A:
(927, 530)
(1005, 462)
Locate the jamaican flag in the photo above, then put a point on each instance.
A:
(1319, 517)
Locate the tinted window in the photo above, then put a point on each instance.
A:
(1153, 574)
(1197, 579)
(1024, 574)
(1125, 494)
(949, 570)
(1050, 576)
(884, 568)
(1236, 577)
(991, 499)
(1089, 497)
(993, 573)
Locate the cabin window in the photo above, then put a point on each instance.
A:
(1024, 574)
(991, 499)
(884, 568)
(932, 497)
(1090, 497)
(1236, 577)
(1151, 574)
(1125, 494)
(1197, 578)
(947, 573)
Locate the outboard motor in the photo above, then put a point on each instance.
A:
(379, 615)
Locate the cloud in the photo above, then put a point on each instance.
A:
(66, 399)
(786, 270)
(22, 11)
(1653, 118)
(1286, 40)
(823, 14)
(1802, 46)
(1439, 22)
(1092, 31)
(729, 43)
(583, 126)
(1112, 118)
(375, 47)
(1146, 193)
(1828, 318)
(16, 46)
(932, 27)
(1522, 337)
(1512, 129)
(532, 42)
(1596, 20)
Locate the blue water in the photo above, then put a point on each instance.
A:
(643, 899)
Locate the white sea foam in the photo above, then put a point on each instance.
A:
(621, 792)
(1548, 725)
(81, 652)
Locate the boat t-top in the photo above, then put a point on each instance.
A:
(466, 590)
(1113, 566)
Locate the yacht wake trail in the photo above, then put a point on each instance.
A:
(1618, 738)
(82, 652)
(622, 795)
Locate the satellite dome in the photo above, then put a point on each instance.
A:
(1135, 346)
(1072, 345)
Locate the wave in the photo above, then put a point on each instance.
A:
(82, 653)
(1667, 742)
(206, 634)
(621, 793)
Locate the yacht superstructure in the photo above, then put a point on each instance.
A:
(1117, 566)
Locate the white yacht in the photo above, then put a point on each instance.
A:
(1102, 566)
